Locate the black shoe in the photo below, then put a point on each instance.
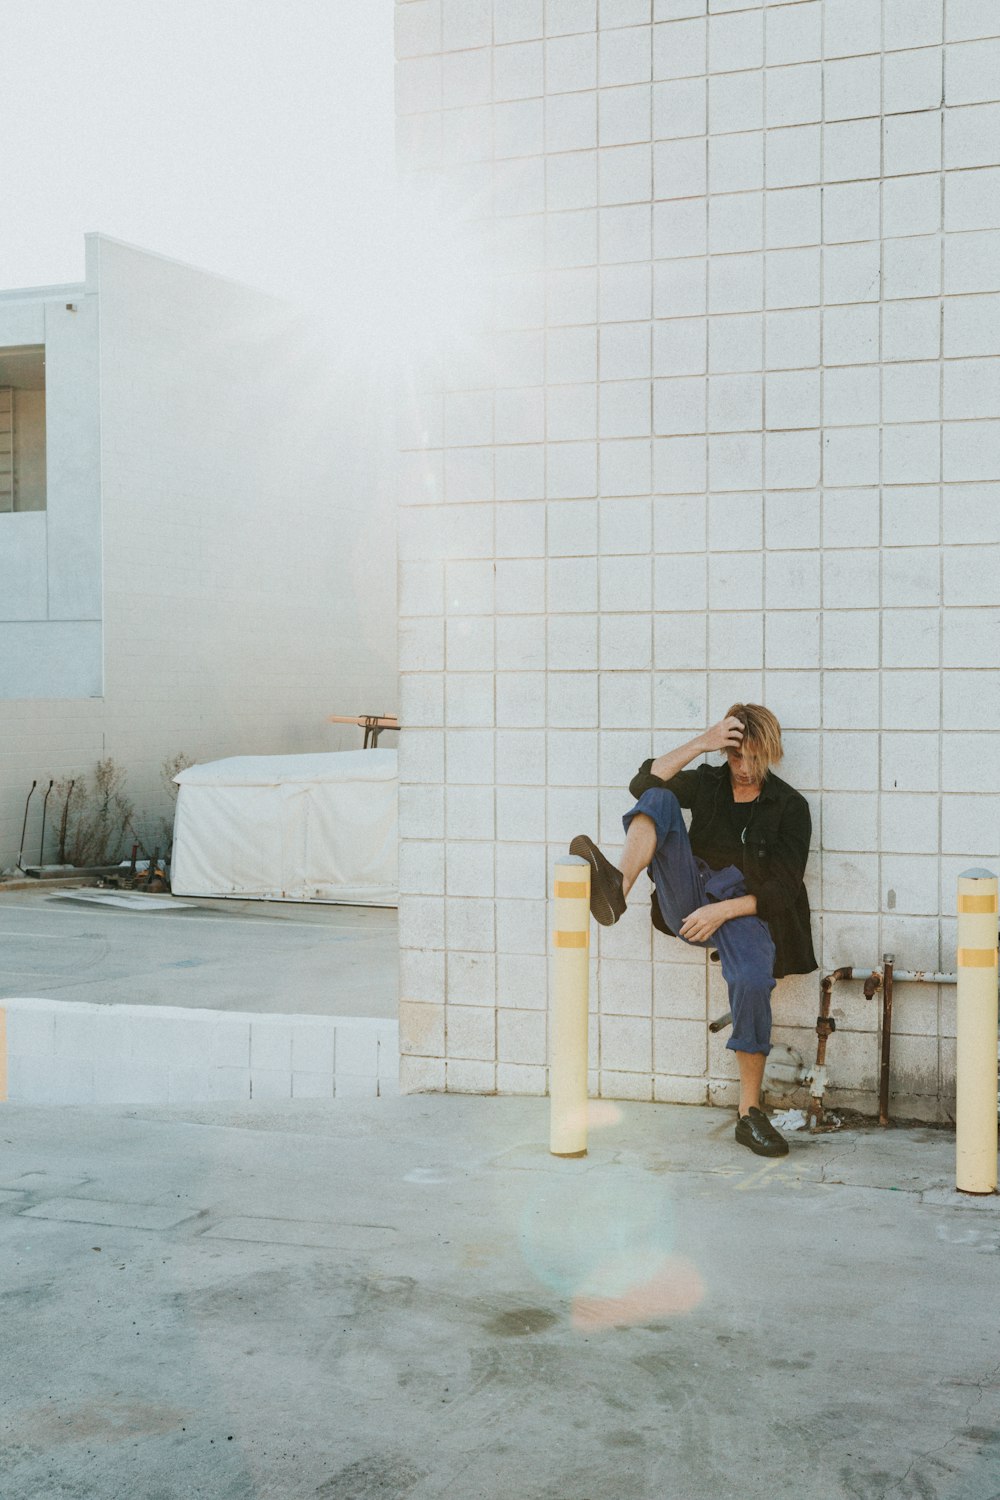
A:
(607, 898)
(756, 1131)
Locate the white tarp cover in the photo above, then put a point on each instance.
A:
(289, 827)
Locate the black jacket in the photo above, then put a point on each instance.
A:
(774, 856)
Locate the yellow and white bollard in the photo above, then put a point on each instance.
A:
(976, 1066)
(568, 1018)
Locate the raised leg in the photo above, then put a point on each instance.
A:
(640, 846)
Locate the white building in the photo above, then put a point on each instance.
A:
(188, 525)
(732, 433)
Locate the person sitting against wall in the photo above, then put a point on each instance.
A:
(734, 882)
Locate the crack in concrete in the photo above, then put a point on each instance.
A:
(932, 1453)
(849, 1150)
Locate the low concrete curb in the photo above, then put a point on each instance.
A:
(71, 1052)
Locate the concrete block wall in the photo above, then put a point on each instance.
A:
(731, 430)
(70, 1052)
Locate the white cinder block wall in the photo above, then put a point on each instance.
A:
(734, 433)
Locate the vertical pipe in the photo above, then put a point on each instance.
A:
(888, 959)
(976, 1067)
(568, 1029)
(45, 808)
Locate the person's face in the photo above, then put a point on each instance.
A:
(739, 768)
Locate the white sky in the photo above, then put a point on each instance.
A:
(252, 138)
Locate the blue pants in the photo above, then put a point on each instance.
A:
(683, 883)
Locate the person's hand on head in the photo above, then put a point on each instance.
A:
(726, 735)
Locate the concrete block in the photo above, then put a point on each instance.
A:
(51, 1080)
(571, 125)
(31, 1028)
(680, 108)
(851, 211)
(851, 27)
(517, 1078)
(421, 1075)
(125, 1082)
(356, 1047)
(735, 41)
(564, 16)
(793, 34)
(357, 1085)
(913, 702)
(911, 205)
(306, 1085)
(912, 23)
(680, 48)
(671, 1090)
(465, 78)
(793, 156)
(911, 143)
(421, 922)
(520, 21)
(620, 1085)
(421, 867)
(971, 70)
(911, 638)
(852, 149)
(910, 882)
(911, 330)
(970, 199)
(270, 1046)
(471, 978)
(521, 1037)
(913, 80)
(625, 987)
(95, 1033)
(736, 102)
(465, 1077)
(969, 19)
(852, 88)
(625, 56)
(626, 1044)
(625, 114)
(850, 882)
(421, 1029)
(680, 1047)
(270, 1083)
(518, 71)
(909, 762)
(570, 63)
(470, 1033)
(226, 1083)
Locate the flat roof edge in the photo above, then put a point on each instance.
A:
(94, 237)
(43, 293)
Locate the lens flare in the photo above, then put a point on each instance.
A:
(603, 1238)
(674, 1287)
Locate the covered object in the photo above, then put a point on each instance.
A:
(289, 828)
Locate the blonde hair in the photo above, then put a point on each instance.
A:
(762, 745)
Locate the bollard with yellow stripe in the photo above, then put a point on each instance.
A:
(568, 1028)
(976, 1026)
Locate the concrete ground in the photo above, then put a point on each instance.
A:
(411, 1298)
(262, 956)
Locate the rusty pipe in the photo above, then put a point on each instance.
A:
(888, 959)
(825, 1024)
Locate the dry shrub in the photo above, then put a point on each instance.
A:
(97, 817)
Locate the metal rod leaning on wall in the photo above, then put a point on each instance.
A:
(976, 1028)
(888, 959)
(570, 1004)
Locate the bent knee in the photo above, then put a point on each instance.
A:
(657, 802)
